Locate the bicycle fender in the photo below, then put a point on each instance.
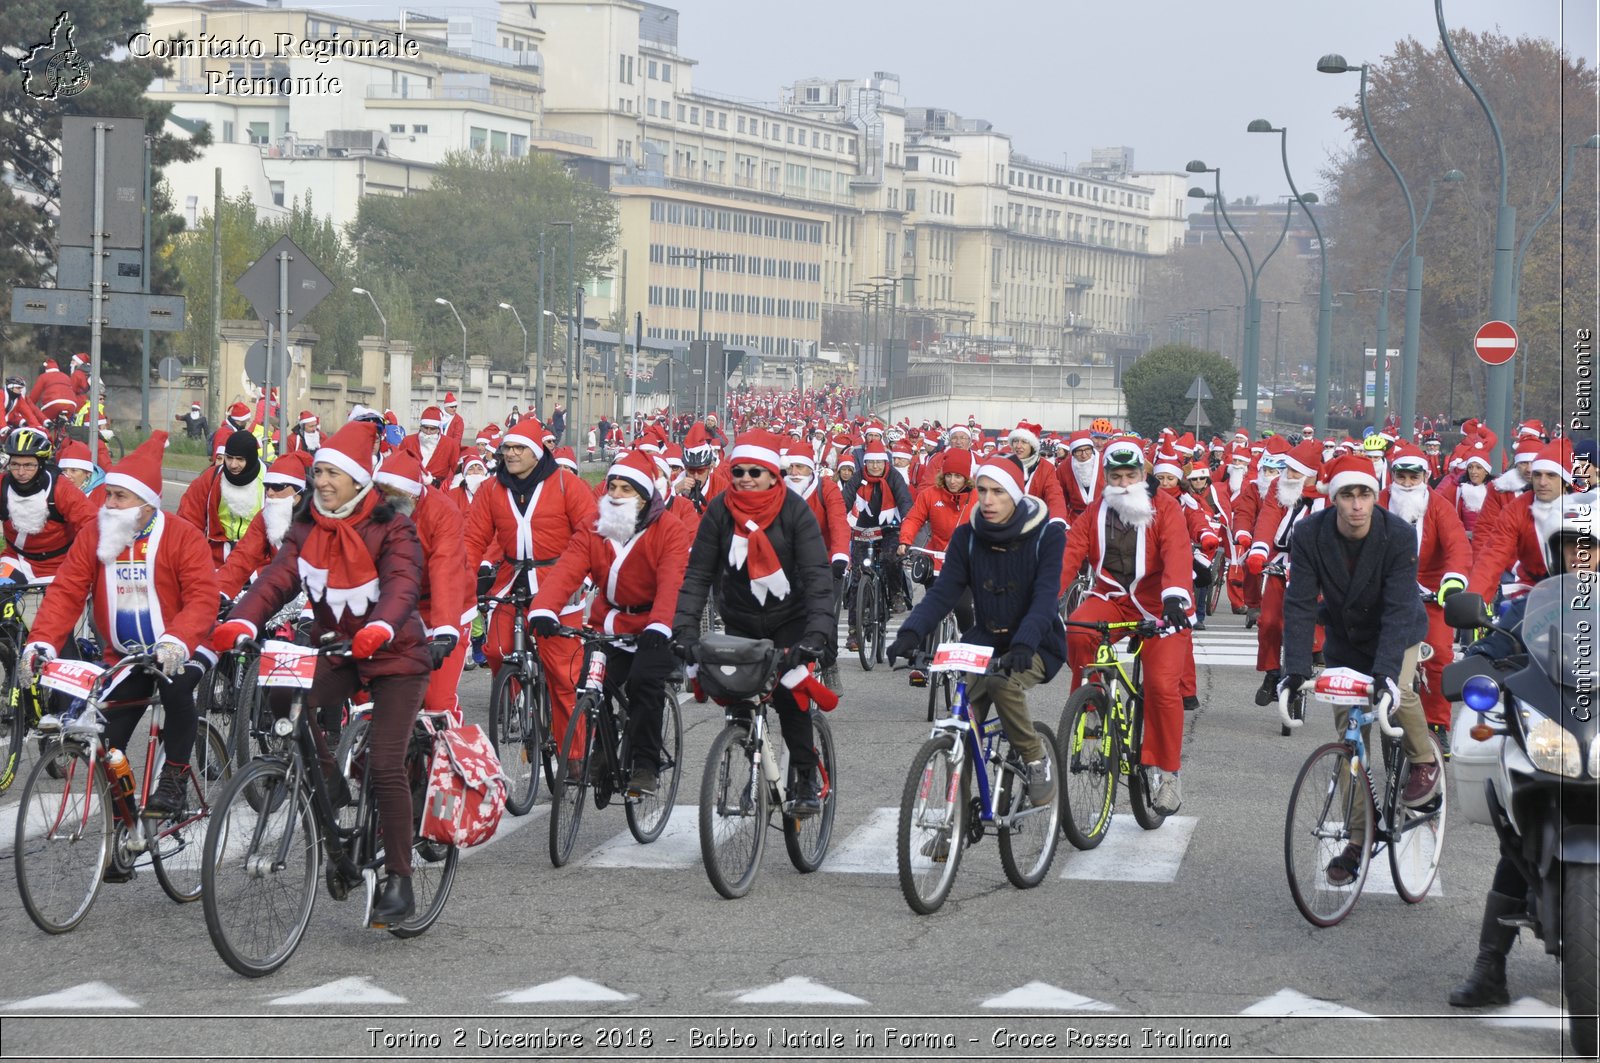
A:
(1578, 845)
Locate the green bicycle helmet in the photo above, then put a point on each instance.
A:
(28, 442)
(1375, 445)
(1123, 454)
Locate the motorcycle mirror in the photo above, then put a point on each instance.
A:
(1465, 610)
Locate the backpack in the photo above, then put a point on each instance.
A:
(466, 788)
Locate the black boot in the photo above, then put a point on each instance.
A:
(1269, 688)
(1486, 984)
(394, 904)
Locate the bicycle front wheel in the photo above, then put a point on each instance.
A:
(933, 824)
(178, 848)
(63, 839)
(14, 702)
(572, 779)
(259, 878)
(514, 730)
(807, 839)
(867, 620)
(1030, 834)
(1326, 802)
(648, 814)
(1091, 752)
(733, 812)
(1419, 836)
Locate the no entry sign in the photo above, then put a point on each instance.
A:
(1495, 342)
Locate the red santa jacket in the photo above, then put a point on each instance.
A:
(184, 606)
(827, 505)
(1274, 521)
(1163, 566)
(943, 512)
(1217, 506)
(1203, 534)
(1469, 501)
(1043, 485)
(20, 411)
(560, 506)
(54, 518)
(1515, 542)
(251, 554)
(449, 597)
(638, 580)
(1074, 495)
(453, 427)
(53, 393)
(1442, 547)
(1246, 507)
(1495, 500)
(441, 465)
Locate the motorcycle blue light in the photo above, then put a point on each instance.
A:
(1481, 693)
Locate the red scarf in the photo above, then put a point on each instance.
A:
(335, 565)
(753, 513)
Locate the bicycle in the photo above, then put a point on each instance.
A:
(20, 706)
(872, 599)
(1325, 802)
(1102, 734)
(1074, 595)
(519, 701)
(604, 718)
(276, 820)
(941, 685)
(233, 693)
(940, 816)
(1219, 579)
(746, 778)
(79, 822)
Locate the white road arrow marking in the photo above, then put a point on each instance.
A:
(565, 990)
(1287, 1002)
(1044, 997)
(87, 995)
(797, 991)
(341, 991)
(1527, 1012)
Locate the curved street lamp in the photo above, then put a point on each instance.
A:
(463, 324)
(363, 291)
(520, 325)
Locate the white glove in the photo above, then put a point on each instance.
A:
(34, 656)
(171, 657)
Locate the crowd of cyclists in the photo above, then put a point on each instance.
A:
(1328, 547)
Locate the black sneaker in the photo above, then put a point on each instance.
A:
(807, 796)
(1251, 616)
(1190, 703)
(168, 800)
(1269, 688)
(1342, 868)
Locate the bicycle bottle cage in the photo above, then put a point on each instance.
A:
(733, 668)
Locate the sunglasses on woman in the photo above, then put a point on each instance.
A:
(740, 472)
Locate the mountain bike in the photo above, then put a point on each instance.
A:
(939, 814)
(1332, 815)
(519, 700)
(20, 706)
(599, 759)
(1102, 733)
(872, 598)
(277, 819)
(941, 685)
(746, 777)
(79, 822)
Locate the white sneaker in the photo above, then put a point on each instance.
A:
(49, 724)
(1169, 797)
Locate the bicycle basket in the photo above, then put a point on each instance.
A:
(732, 668)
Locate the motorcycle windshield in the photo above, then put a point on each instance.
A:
(1560, 626)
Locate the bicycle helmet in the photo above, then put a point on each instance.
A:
(1374, 445)
(28, 442)
(1578, 522)
(1124, 454)
(16, 383)
(1101, 427)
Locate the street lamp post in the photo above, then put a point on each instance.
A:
(463, 324)
(520, 325)
(1319, 418)
(381, 318)
(701, 258)
(570, 286)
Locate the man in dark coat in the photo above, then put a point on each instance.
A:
(1362, 561)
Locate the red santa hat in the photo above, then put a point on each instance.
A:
(1479, 455)
(902, 449)
(432, 417)
(1528, 449)
(1169, 462)
(80, 359)
(1406, 456)
(140, 471)
(874, 451)
(487, 435)
(309, 419)
(698, 438)
(1306, 458)
(874, 426)
(1532, 428)
(674, 456)
(238, 411)
(759, 447)
(526, 433)
(1006, 473)
(450, 399)
(567, 457)
(402, 471)
(930, 440)
(350, 450)
(470, 458)
(287, 471)
(638, 468)
(1352, 470)
(959, 427)
(50, 365)
(957, 461)
(1080, 438)
(1026, 431)
(847, 460)
(75, 455)
(1556, 457)
(799, 456)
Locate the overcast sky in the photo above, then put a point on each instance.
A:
(1172, 79)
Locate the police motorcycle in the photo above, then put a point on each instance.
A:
(1530, 765)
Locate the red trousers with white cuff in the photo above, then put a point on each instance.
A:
(1164, 663)
(441, 693)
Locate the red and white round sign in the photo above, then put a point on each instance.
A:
(1495, 342)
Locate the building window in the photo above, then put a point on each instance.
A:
(227, 132)
(477, 138)
(400, 128)
(722, 120)
(683, 112)
(650, 107)
(419, 129)
(259, 132)
(740, 124)
(651, 69)
(666, 71)
(277, 193)
(519, 145)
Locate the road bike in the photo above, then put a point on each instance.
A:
(746, 777)
(940, 815)
(277, 820)
(79, 822)
(1074, 595)
(1338, 813)
(20, 705)
(519, 700)
(1102, 734)
(872, 598)
(599, 759)
(1219, 579)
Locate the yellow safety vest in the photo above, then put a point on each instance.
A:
(234, 525)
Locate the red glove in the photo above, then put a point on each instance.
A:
(1255, 562)
(228, 635)
(369, 640)
(1209, 541)
(1244, 540)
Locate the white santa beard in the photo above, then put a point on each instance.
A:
(1510, 480)
(29, 512)
(428, 445)
(1084, 471)
(275, 516)
(1409, 504)
(1472, 495)
(117, 529)
(1132, 503)
(1264, 482)
(1288, 490)
(1235, 479)
(313, 440)
(242, 502)
(473, 482)
(1546, 517)
(617, 518)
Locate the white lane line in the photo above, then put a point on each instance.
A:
(1130, 853)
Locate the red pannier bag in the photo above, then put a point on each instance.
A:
(466, 788)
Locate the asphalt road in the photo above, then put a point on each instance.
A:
(1182, 942)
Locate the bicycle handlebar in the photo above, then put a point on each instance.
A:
(936, 554)
(589, 635)
(1283, 708)
(1381, 707)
